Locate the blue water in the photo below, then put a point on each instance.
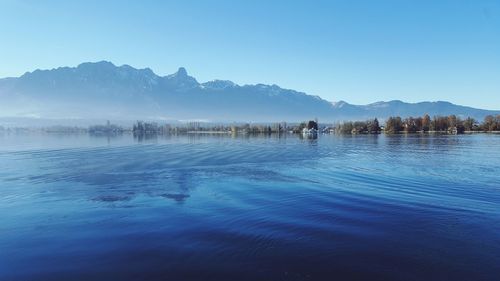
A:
(80, 207)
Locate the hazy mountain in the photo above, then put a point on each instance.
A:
(103, 90)
(398, 108)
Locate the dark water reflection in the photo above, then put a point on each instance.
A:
(222, 207)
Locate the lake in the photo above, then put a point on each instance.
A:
(218, 207)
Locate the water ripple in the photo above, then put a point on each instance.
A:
(255, 208)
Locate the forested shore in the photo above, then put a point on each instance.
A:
(425, 124)
(451, 124)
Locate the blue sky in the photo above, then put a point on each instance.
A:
(357, 51)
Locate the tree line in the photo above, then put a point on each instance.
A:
(359, 127)
(396, 124)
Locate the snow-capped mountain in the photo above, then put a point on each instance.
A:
(103, 90)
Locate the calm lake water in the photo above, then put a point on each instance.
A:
(80, 207)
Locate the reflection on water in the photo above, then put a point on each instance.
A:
(264, 207)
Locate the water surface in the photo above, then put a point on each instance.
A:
(201, 207)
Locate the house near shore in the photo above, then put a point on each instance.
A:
(311, 128)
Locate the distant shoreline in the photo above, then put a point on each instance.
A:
(393, 125)
(84, 131)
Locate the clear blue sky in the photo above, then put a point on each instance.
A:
(357, 51)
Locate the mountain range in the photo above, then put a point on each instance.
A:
(102, 90)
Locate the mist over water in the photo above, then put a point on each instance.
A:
(216, 207)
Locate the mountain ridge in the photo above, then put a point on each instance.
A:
(104, 90)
